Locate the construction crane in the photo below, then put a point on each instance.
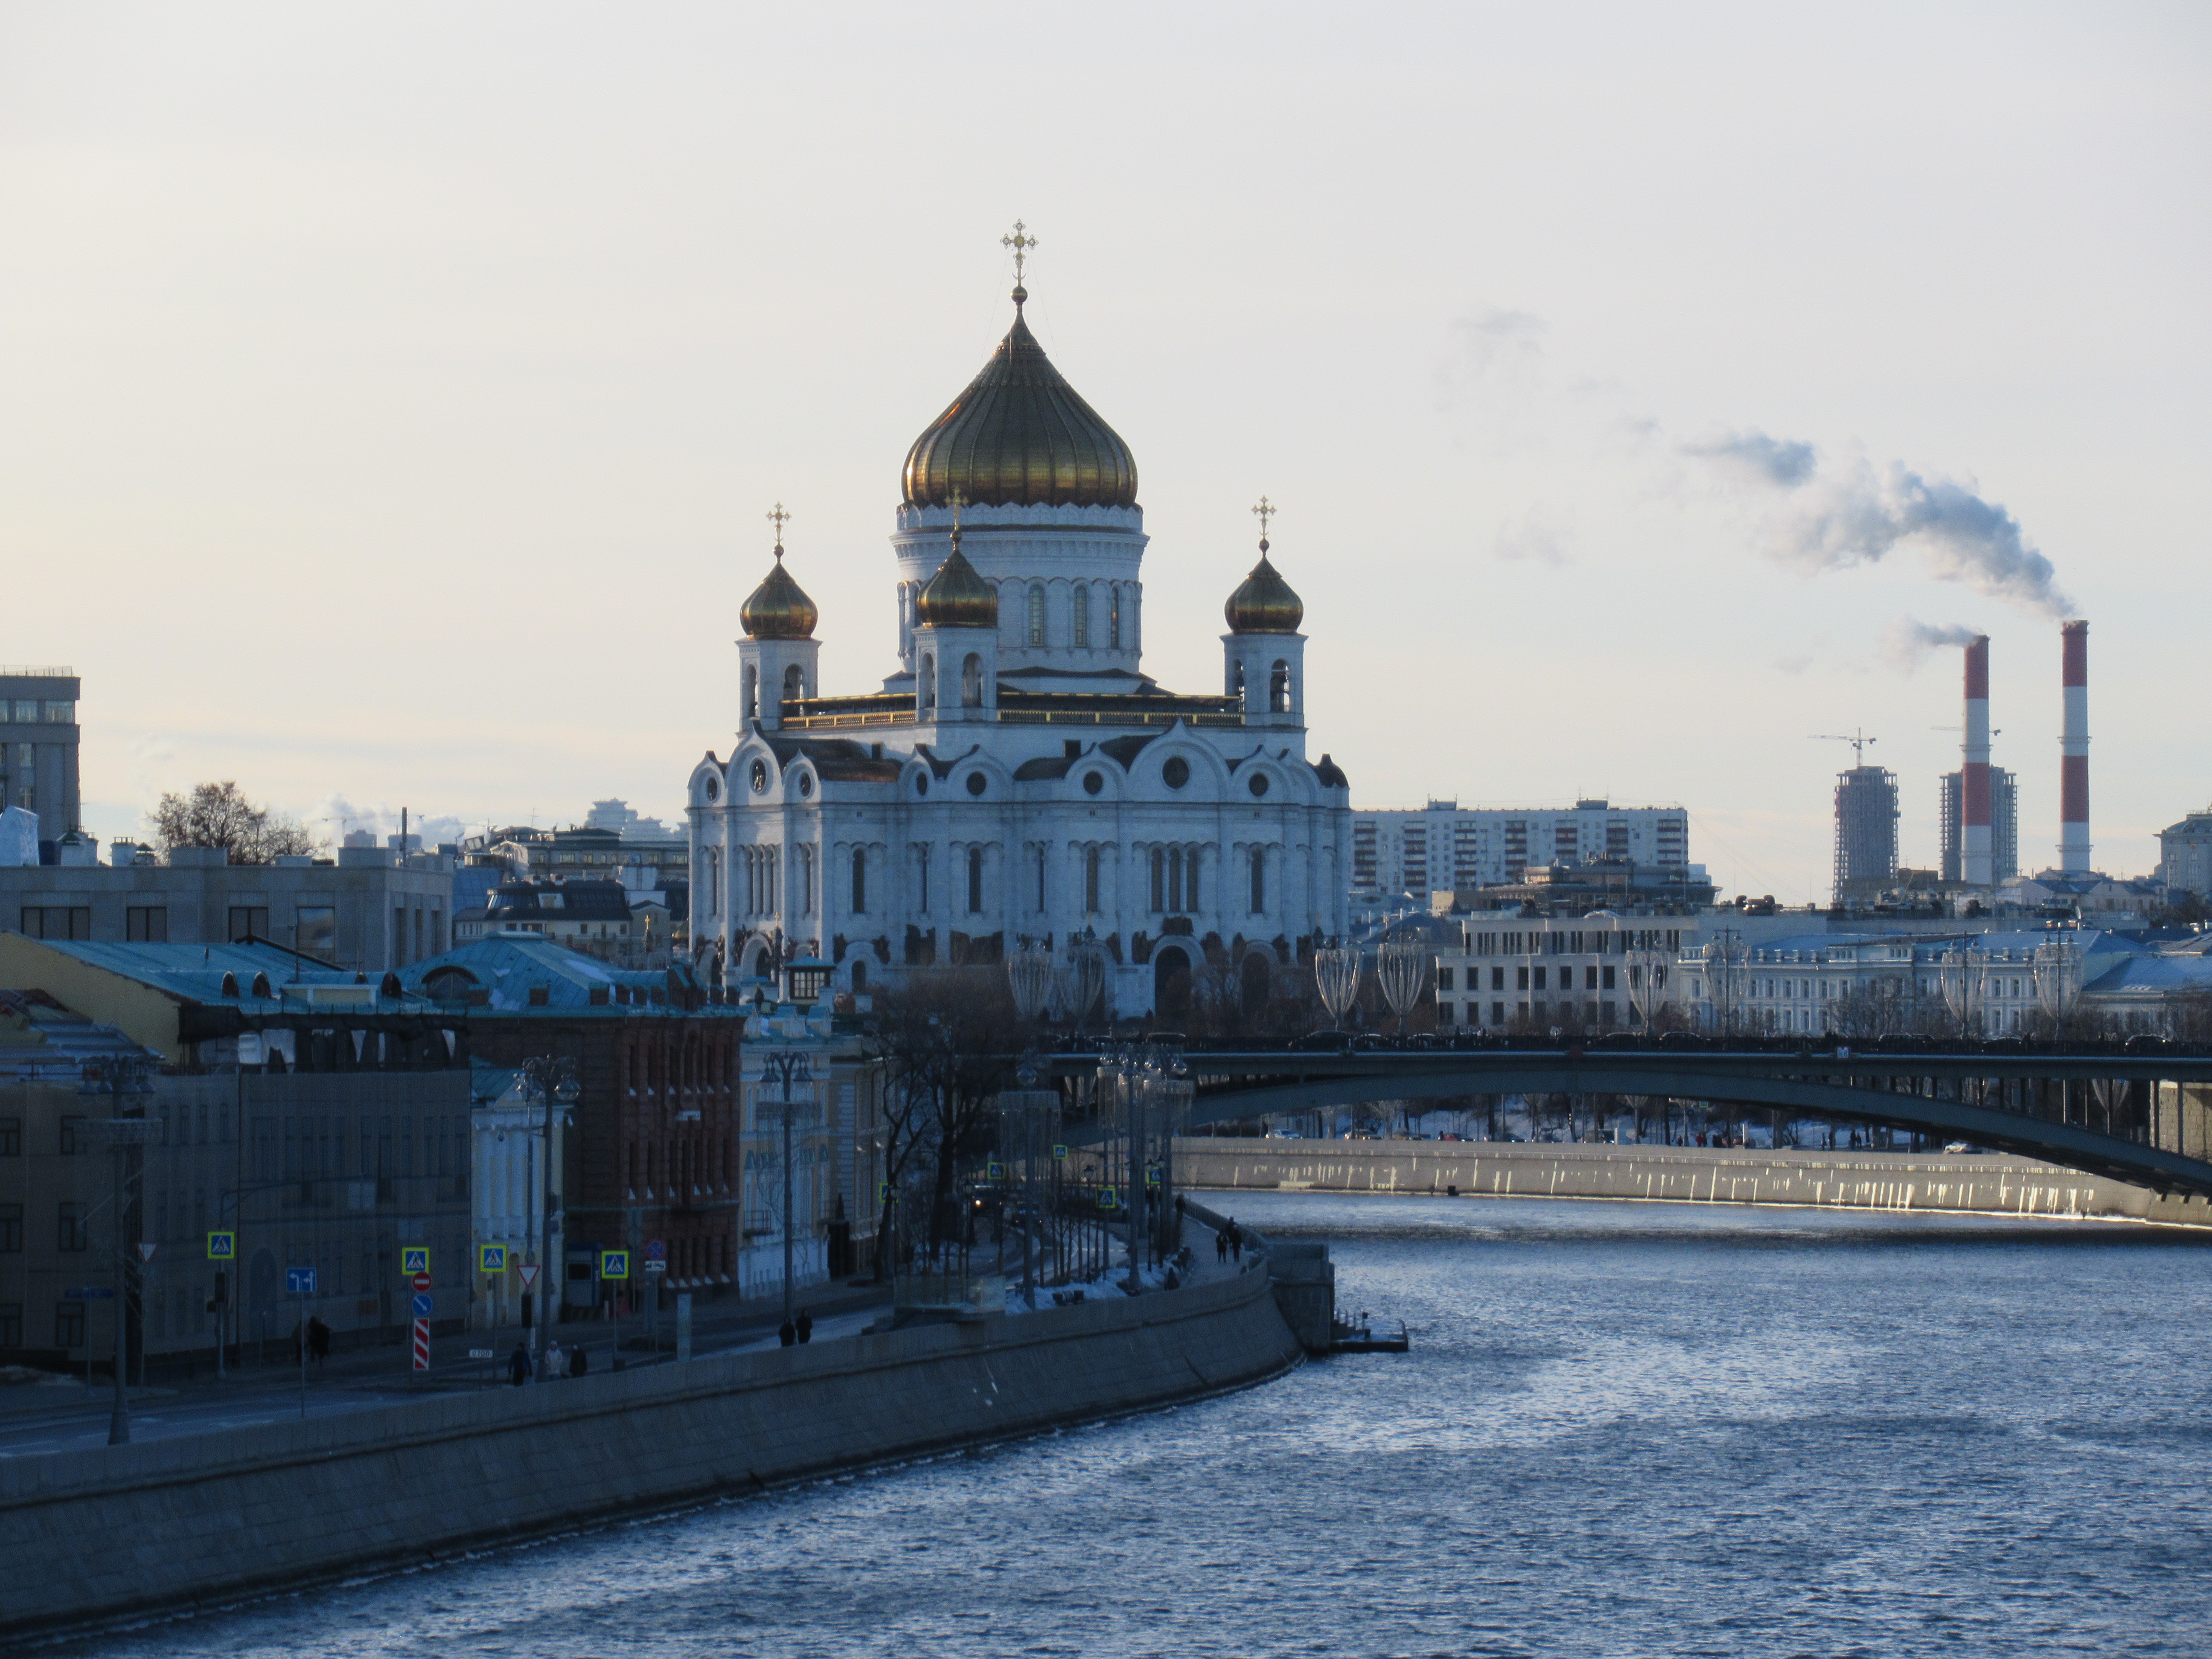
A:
(1857, 739)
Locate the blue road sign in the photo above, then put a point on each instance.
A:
(422, 1305)
(222, 1246)
(614, 1264)
(491, 1258)
(1109, 1199)
(656, 1249)
(89, 1293)
(1060, 1152)
(299, 1281)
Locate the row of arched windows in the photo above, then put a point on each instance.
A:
(1174, 870)
(1104, 618)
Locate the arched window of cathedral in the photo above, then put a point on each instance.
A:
(1037, 613)
(1278, 689)
(859, 881)
(750, 699)
(1042, 853)
(1237, 678)
(859, 974)
(975, 881)
(1090, 879)
(805, 880)
(1114, 617)
(1159, 879)
(971, 682)
(927, 682)
(1081, 630)
(1259, 881)
(795, 683)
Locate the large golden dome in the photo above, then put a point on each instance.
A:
(1264, 603)
(956, 597)
(1020, 436)
(779, 608)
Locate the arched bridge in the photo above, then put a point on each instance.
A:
(2142, 1119)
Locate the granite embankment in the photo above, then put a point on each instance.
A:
(168, 1524)
(1981, 1183)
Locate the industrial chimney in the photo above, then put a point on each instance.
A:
(2074, 750)
(1976, 866)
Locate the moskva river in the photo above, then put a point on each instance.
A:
(1624, 1430)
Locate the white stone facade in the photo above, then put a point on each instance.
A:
(1025, 781)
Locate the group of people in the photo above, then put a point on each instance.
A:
(1228, 1241)
(573, 1363)
(800, 1329)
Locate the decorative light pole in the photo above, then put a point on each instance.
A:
(792, 1070)
(1336, 976)
(1402, 967)
(555, 1078)
(117, 1078)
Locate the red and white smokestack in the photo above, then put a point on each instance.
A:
(1976, 862)
(2074, 751)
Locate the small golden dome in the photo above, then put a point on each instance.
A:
(779, 608)
(1019, 436)
(956, 597)
(1264, 603)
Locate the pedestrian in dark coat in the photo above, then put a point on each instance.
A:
(805, 1325)
(787, 1333)
(518, 1364)
(1221, 1247)
(577, 1363)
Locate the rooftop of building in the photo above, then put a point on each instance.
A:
(523, 974)
(40, 1040)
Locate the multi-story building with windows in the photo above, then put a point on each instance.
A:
(39, 750)
(1444, 846)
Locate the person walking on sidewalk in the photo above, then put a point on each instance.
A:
(805, 1325)
(518, 1364)
(553, 1358)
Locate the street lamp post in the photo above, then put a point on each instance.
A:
(117, 1078)
(555, 1080)
(792, 1070)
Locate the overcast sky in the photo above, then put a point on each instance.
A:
(390, 395)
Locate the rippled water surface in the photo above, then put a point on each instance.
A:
(1624, 1430)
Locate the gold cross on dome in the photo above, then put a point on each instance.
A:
(1021, 245)
(779, 517)
(1265, 511)
(959, 500)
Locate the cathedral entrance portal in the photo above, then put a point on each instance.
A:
(1171, 984)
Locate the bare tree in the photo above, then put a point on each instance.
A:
(219, 815)
(951, 1039)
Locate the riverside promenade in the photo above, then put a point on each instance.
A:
(1973, 1183)
(168, 1524)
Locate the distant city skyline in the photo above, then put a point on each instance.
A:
(393, 404)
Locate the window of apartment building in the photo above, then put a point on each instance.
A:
(71, 1230)
(11, 1137)
(248, 921)
(11, 1233)
(1443, 979)
(315, 931)
(1497, 1012)
(1590, 976)
(1605, 979)
(73, 1141)
(1498, 980)
(56, 920)
(69, 1324)
(1521, 978)
(146, 923)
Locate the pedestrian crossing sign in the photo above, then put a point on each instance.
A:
(491, 1258)
(414, 1259)
(614, 1264)
(1109, 1199)
(883, 1194)
(996, 1171)
(222, 1247)
(1059, 1152)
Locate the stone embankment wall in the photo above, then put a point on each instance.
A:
(167, 1524)
(1982, 1183)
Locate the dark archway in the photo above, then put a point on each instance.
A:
(1171, 984)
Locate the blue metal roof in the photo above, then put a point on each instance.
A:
(195, 972)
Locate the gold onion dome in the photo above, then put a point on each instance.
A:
(779, 608)
(956, 597)
(1264, 603)
(1020, 436)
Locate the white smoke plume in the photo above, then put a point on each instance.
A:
(1857, 514)
(1906, 642)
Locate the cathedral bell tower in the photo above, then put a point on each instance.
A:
(777, 659)
(1263, 653)
(956, 642)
